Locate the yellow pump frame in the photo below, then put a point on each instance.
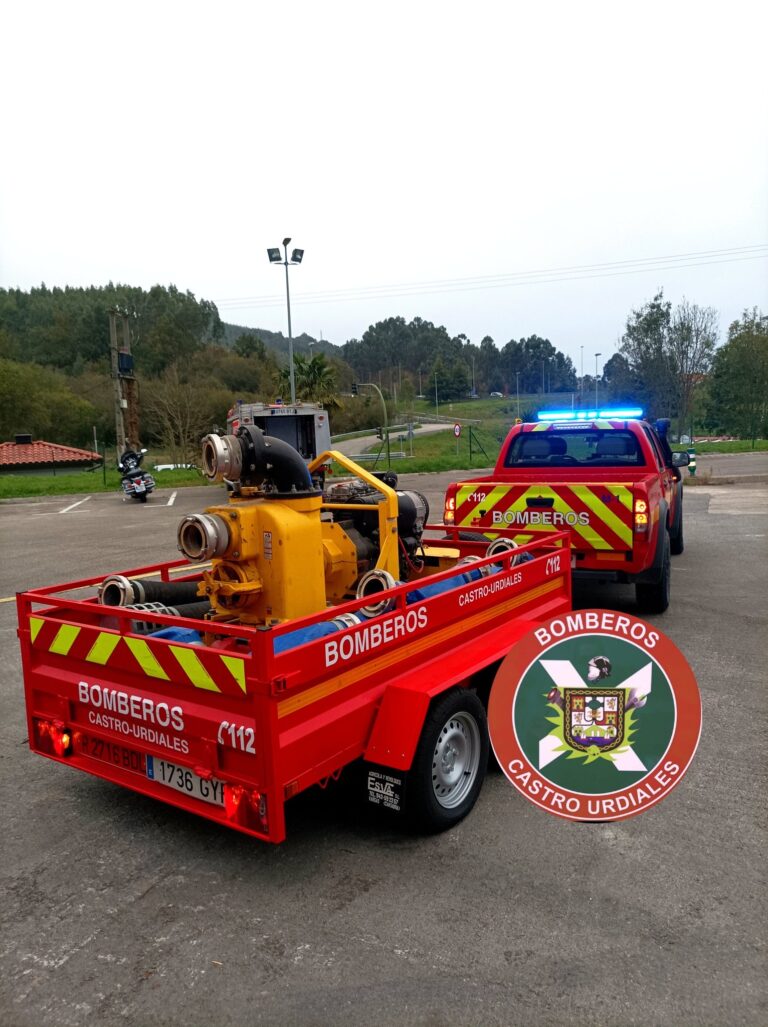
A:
(389, 554)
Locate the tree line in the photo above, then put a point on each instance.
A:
(191, 366)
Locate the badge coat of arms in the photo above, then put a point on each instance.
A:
(594, 717)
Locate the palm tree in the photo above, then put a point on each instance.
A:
(314, 378)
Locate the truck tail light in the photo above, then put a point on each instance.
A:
(53, 737)
(449, 510)
(641, 515)
(246, 806)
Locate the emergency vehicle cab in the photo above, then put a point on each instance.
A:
(607, 476)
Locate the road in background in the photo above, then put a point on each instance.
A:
(118, 909)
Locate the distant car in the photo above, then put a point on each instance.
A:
(496, 395)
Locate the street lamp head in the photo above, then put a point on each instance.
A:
(274, 255)
(297, 256)
(286, 242)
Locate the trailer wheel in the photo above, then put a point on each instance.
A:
(654, 598)
(450, 763)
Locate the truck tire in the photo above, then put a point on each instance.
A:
(467, 536)
(676, 542)
(450, 762)
(654, 598)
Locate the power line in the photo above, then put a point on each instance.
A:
(538, 277)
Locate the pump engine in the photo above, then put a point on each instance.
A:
(280, 548)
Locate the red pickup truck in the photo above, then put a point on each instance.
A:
(609, 478)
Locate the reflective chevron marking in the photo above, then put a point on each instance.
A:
(159, 660)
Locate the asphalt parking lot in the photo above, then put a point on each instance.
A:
(121, 910)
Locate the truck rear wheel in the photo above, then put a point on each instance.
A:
(676, 542)
(654, 598)
(450, 763)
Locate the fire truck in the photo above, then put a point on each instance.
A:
(608, 477)
(305, 426)
(303, 631)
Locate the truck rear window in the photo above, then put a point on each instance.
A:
(578, 448)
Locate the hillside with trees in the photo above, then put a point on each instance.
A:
(55, 366)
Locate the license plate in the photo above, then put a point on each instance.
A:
(110, 752)
(183, 780)
(138, 486)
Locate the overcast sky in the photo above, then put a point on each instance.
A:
(497, 168)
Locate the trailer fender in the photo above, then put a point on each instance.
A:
(399, 722)
(397, 727)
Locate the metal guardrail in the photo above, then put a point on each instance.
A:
(344, 436)
(439, 419)
(362, 457)
(420, 421)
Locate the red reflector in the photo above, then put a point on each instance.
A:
(53, 737)
(233, 796)
(246, 806)
(62, 741)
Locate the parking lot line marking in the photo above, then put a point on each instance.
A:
(73, 505)
(172, 499)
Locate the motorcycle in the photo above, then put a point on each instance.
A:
(135, 483)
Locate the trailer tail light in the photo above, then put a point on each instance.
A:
(246, 806)
(53, 737)
(641, 515)
(450, 510)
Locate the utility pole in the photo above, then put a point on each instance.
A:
(126, 392)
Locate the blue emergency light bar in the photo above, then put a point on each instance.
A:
(618, 413)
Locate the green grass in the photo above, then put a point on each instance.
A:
(439, 452)
(737, 446)
(435, 452)
(28, 486)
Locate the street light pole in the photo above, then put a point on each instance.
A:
(290, 333)
(296, 258)
(581, 381)
(596, 356)
(517, 386)
(437, 408)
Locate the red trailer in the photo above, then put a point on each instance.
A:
(230, 719)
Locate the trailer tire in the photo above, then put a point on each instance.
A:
(450, 763)
(467, 536)
(654, 597)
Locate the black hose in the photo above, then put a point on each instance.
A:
(117, 590)
(268, 458)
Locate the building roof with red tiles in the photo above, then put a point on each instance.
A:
(27, 453)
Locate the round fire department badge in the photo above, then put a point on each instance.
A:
(595, 715)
